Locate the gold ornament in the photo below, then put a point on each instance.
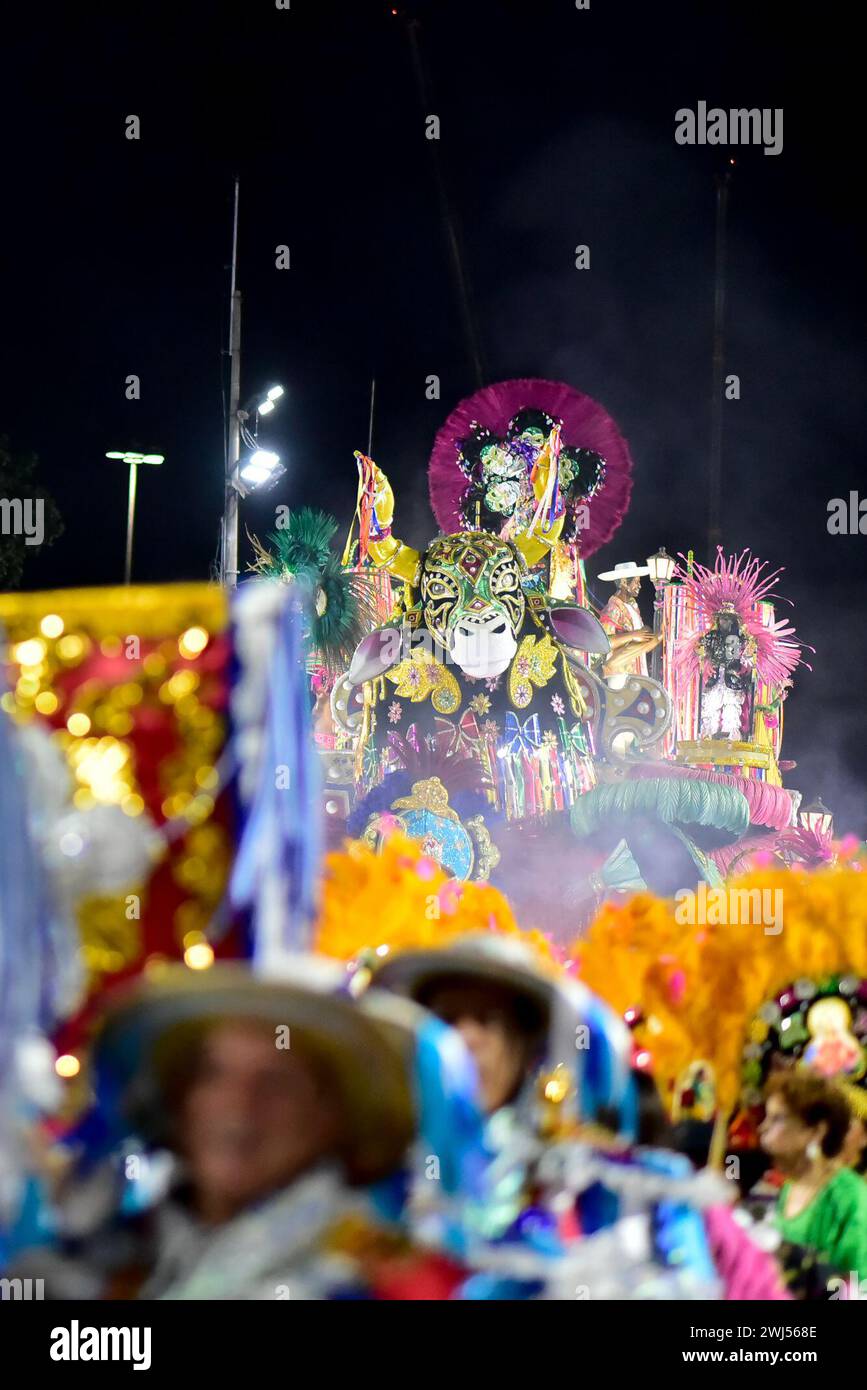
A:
(429, 795)
(420, 677)
(533, 665)
(487, 854)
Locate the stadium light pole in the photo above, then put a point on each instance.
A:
(264, 466)
(229, 538)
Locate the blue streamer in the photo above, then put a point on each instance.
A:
(278, 856)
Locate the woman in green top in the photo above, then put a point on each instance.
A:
(822, 1205)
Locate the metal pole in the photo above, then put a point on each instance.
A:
(656, 654)
(130, 522)
(229, 558)
(714, 523)
(370, 422)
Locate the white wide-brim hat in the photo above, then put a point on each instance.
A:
(627, 569)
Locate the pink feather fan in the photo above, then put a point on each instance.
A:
(585, 424)
(738, 584)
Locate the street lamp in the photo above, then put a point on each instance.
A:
(265, 407)
(263, 466)
(135, 460)
(241, 478)
(661, 567)
(816, 817)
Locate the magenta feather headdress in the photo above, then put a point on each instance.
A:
(588, 437)
(738, 584)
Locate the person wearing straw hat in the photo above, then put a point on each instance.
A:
(564, 1184)
(282, 1100)
(491, 990)
(621, 618)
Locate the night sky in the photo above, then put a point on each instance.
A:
(557, 129)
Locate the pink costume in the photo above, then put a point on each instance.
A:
(623, 615)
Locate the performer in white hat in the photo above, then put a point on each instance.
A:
(622, 620)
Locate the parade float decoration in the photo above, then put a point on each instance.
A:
(494, 656)
(710, 795)
(470, 694)
(742, 659)
(491, 654)
(345, 602)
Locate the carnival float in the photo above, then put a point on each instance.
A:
(476, 743)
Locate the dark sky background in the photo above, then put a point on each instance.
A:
(557, 129)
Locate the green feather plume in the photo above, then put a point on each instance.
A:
(342, 606)
(304, 543)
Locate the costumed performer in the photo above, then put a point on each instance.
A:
(621, 618)
(552, 1060)
(280, 1102)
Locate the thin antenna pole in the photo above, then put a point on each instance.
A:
(714, 522)
(229, 556)
(370, 422)
(235, 236)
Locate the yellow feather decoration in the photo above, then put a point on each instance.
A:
(699, 987)
(397, 899)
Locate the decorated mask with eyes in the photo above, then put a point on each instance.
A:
(473, 603)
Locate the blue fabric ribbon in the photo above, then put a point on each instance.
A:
(279, 851)
(606, 1076)
(521, 738)
(33, 942)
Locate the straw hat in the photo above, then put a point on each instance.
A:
(366, 1048)
(601, 1070)
(492, 959)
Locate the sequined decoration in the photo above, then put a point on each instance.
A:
(132, 684)
(534, 664)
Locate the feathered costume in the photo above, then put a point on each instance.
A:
(736, 585)
(343, 601)
(736, 639)
(481, 466)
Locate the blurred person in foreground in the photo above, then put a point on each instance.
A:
(822, 1205)
(571, 1203)
(281, 1102)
